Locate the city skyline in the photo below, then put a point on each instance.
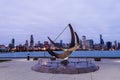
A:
(19, 19)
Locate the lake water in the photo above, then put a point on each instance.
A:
(89, 54)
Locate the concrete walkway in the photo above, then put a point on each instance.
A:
(20, 69)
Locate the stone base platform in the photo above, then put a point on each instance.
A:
(72, 67)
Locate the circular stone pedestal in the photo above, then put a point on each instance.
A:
(71, 68)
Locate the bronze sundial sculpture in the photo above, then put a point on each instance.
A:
(73, 46)
(74, 67)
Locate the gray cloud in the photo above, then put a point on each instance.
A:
(43, 18)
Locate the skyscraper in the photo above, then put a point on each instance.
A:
(31, 41)
(38, 43)
(89, 44)
(101, 40)
(26, 47)
(26, 42)
(102, 46)
(115, 44)
(109, 45)
(13, 43)
(61, 43)
(83, 42)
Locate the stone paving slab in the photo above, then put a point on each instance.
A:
(20, 69)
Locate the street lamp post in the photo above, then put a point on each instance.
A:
(44, 51)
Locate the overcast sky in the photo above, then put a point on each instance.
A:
(21, 18)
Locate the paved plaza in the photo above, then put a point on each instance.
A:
(20, 69)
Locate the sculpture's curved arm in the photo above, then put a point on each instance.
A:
(67, 52)
(72, 43)
(76, 45)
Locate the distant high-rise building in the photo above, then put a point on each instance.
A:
(102, 46)
(101, 40)
(83, 42)
(80, 46)
(118, 45)
(109, 45)
(38, 43)
(13, 43)
(26, 42)
(89, 44)
(61, 43)
(115, 44)
(26, 46)
(31, 41)
(46, 44)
